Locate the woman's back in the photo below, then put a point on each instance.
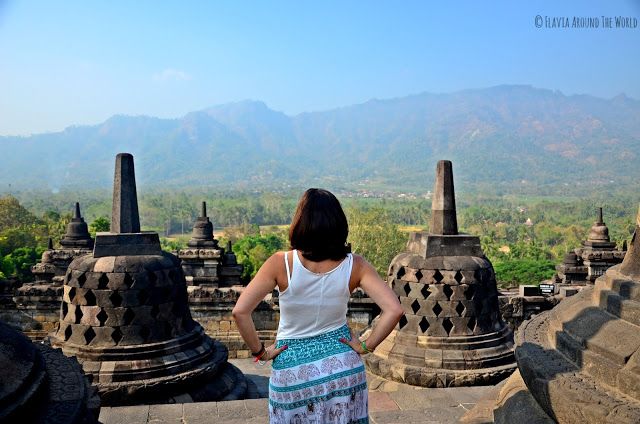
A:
(313, 303)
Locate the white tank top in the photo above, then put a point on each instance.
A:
(313, 303)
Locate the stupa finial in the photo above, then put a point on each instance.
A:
(203, 214)
(124, 213)
(443, 206)
(600, 221)
(76, 214)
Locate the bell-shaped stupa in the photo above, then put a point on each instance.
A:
(452, 333)
(126, 317)
(77, 235)
(204, 263)
(581, 360)
(76, 242)
(588, 262)
(39, 385)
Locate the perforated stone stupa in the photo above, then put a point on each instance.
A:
(452, 333)
(125, 316)
(581, 360)
(39, 385)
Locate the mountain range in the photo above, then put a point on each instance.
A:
(509, 139)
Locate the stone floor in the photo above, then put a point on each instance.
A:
(389, 403)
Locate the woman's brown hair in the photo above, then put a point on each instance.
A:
(319, 228)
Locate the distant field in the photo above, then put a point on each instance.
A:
(266, 229)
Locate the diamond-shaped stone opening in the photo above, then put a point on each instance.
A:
(72, 294)
(447, 325)
(82, 278)
(155, 311)
(424, 325)
(102, 317)
(116, 335)
(90, 298)
(471, 324)
(469, 292)
(400, 272)
(142, 297)
(145, 332)
(152, 278)
(458, 277)
(460, 308)
(415, 306)
(419, 275)
(425, 291)
(448, 291)
(128, 316)
(437, 276)
(116, 299)
(78, 315)
(128, 281)
(89, 335)
(67, 333)
(403, 321)
(437, 309)
(103, 281)
(407, 288)
(64, 309)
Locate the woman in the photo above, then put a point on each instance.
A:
(317, 373)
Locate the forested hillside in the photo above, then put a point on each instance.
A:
(502, 140)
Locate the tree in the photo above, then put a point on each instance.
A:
(15, 238)
(523, 271)
(252, 251)
(19, 262)
(99, 224)
(373, 235)
(13, 214)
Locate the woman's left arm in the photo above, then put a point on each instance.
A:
(261, 285)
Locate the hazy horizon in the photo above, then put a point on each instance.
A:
(241, 101)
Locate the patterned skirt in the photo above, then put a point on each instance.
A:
(318, 380)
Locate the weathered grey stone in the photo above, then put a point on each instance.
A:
(585, 264)
(452, 333)
(580, 360)
(124, 213)
(125, 315)
(40, 385)
(443, 209)
(206, 264)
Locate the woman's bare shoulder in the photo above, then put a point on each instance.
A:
(276, 257)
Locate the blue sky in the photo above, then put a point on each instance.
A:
(79, 62)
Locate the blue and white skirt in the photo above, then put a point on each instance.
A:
(318, 380)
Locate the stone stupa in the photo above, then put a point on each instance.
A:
(39, 301)
(39, 385)
(76, 242)
(125, 316)
(581, 360)
(585, 264)
(204, 263)
(452, 333)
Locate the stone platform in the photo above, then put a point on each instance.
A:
(389, 402)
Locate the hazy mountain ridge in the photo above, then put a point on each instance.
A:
(496, 136)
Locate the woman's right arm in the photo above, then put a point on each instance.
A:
(383, 296)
